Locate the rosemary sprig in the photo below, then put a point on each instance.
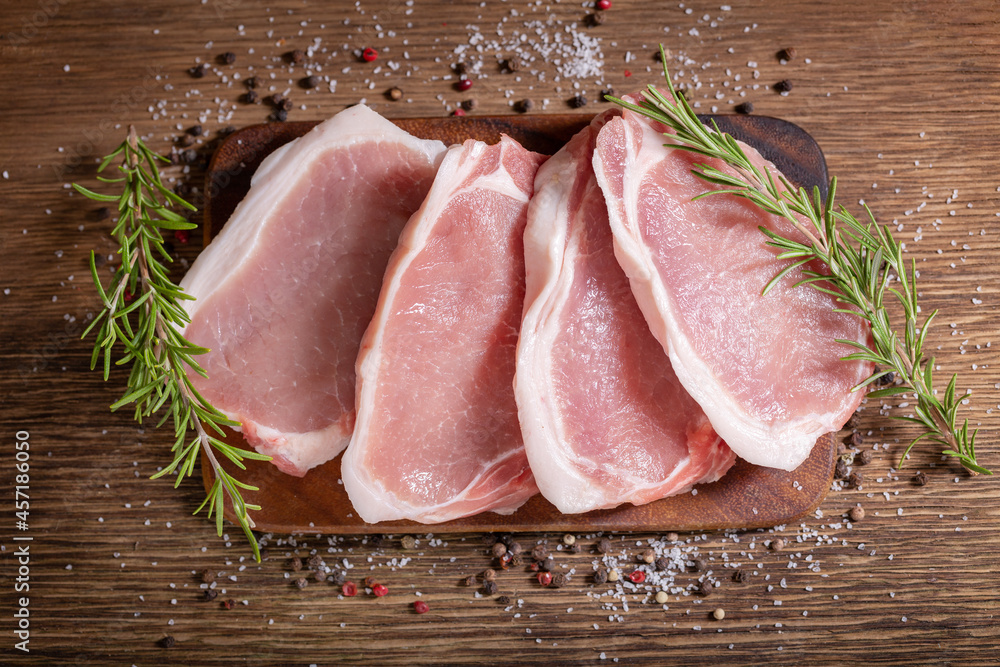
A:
(142, 312)
(860, 258)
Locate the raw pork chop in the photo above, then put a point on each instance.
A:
(604, 419)
(765, 369)
(285, 291)
(437, 436)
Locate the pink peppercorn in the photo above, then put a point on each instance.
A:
(604, 4)
(420, 607)
(350, 589)
(464, 84)
(458, 112)
(369, 54)
(637, 577)
(182, 235)
(545, 578)
(380, 590)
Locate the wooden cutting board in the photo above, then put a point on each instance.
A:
(747, 497)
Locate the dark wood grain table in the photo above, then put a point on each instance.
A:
(904, 99)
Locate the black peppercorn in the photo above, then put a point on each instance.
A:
(503, 599)
(228, 58)
(337, 577)
(280, 115)
(705, 587)
(783, 86)
(595, 19)
(558, 580)
(315, 561)
(301, 582)
(499, 549)
(856, 439)
(744, 108)
(460, 68)
(524, 106)
(741, 576)
(540, 552)
(251, 97)
(296, 57)
(511, 65)
(700, 565)
(865, 457)
(470, 104)
(840, 471)
(253, 82)
(600, 576)
(167, 642)
(577, 101)
(886, 379)
(310, 82)
(207, 576)
(920, 479)
(198, 71)
(490, 587)
(855, 479)
(471, 580)
(515, 548)
(604, 545)
(210, 594)
(662, 564)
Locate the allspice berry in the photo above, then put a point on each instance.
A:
(777, 544)
(856, 513)
(499, 549)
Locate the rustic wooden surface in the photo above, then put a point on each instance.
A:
(903, 97)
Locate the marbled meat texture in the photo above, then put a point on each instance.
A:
(605, 420)
(437, 436)
(285, 291)
(766, 369)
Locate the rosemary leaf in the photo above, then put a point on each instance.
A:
(143, 316)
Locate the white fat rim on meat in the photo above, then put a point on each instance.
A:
(560, 482)
(784, 447)
(238, 238)
(367, 495)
